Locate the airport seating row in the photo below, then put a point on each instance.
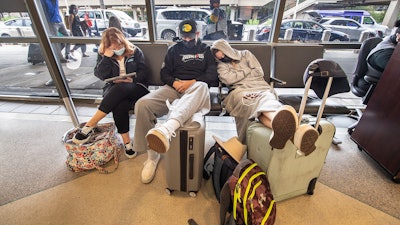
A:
(288, 65)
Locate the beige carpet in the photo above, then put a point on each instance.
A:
(37, 188)
(120, 198)
(353, 172)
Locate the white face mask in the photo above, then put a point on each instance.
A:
(119, 52)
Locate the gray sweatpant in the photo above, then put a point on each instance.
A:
(152, 106)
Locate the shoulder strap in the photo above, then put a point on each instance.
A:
(246, 193)
(237, 192)
(225, 201)
(206, 171)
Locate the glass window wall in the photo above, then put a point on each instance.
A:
(24, 71)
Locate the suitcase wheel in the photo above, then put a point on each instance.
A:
(168, 191)
(36, 62)
(311, 186)
(191, 193)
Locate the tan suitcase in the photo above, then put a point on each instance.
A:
(291, 173)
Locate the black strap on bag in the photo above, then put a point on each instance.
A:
(219, 169)
(208, 166)
(225, 205)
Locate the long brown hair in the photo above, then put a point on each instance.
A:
(113, 35)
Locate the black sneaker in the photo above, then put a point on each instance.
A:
(129, 153)
(81, 138)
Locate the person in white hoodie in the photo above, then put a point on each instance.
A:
(251, 97)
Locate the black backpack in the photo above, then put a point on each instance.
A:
(220, 169)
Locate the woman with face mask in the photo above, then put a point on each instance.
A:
(117, 57)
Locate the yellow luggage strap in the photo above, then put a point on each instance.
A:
(236, 195)
(271, 204)
(248, 190)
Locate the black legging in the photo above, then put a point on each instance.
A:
(82, 46)
(120, 98)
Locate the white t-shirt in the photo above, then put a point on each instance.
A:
(122, 70)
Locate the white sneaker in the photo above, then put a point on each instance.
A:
(149, 170)
(159, 137)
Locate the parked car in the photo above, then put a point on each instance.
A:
(303, 30)
(100, 18)
(348, 26)
(168, 19)
(17, 27)
(361, 16)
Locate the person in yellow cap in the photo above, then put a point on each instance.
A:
(188, 70)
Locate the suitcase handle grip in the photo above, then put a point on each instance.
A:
(191, 168)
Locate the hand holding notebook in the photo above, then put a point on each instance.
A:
(120, 77)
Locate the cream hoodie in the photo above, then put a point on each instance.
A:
(244, 72)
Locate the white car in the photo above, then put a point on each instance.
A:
(168, 19)
(18, 27)
(100, 18)
(348, 26)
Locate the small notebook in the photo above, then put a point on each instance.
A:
(121, 77)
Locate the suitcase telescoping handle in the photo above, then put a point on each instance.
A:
(321, 107)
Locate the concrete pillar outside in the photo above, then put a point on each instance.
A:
(20, 33)
(288, 34)
(233, 13)
(363, 36)
(142, 16)
(251, 35)
(326, 35)
(134, 12)
(255, 15)
(391, 13)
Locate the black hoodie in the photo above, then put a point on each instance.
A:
(183, 63)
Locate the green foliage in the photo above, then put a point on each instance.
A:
(8, 18)
(252, 22)
(378, 16)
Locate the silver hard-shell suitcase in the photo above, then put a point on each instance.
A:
(291, 173)
(184, 159)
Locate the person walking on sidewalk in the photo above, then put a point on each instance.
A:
(56, 26)
(76, 29)
(88, 24)
(251, 97)
(117, 56)
(188, 69)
